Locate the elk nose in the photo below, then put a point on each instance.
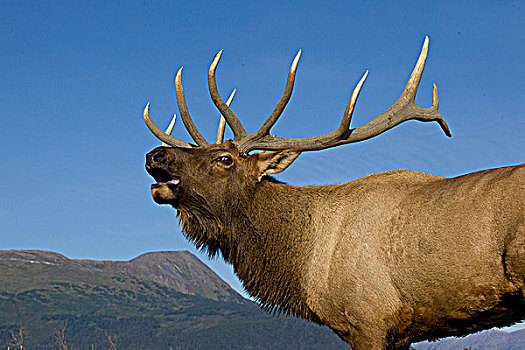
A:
(155, 157)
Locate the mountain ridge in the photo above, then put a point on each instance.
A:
(163, 267)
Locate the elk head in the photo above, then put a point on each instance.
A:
(193, 176)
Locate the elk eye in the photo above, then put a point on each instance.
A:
(226, 160)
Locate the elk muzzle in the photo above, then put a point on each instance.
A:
(167, 188)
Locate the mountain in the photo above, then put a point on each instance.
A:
(156, 301)
(489, 340)
(179, 271)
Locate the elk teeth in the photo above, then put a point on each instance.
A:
(174, 181)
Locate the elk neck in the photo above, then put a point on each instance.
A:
(262, 231)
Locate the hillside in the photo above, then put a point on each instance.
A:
(488, 340)
(157, 300)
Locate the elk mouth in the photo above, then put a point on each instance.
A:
(167, 188)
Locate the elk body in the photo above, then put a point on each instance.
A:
(384, 261)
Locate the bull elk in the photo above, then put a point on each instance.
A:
(384, 261)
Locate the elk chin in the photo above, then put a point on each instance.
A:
(166, 192)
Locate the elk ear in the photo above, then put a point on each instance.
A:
(275, 162)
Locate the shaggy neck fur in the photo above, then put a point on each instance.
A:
(262, 232)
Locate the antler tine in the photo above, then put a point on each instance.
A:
(233, 121)
(404, 109)
(165, 138)
(435, 104)
(222, 121)
(185, 114)
(169, 129)
(343, 129)
(283, 101)
(312, 143)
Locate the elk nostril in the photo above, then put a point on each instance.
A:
(158, 156)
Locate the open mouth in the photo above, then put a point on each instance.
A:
(166, 190)
(160, 175)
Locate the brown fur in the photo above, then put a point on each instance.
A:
(383, 261)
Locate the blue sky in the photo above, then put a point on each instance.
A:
(76, 76)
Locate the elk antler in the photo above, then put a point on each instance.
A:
(240, 135)
(283, 101)
(184, 114)
(404, 109)
(169, 129)
(233, 121)
(222, 121)
(164, 137)
(186, 119)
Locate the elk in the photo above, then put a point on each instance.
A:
(384, 261)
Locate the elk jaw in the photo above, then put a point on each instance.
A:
(166, 192)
